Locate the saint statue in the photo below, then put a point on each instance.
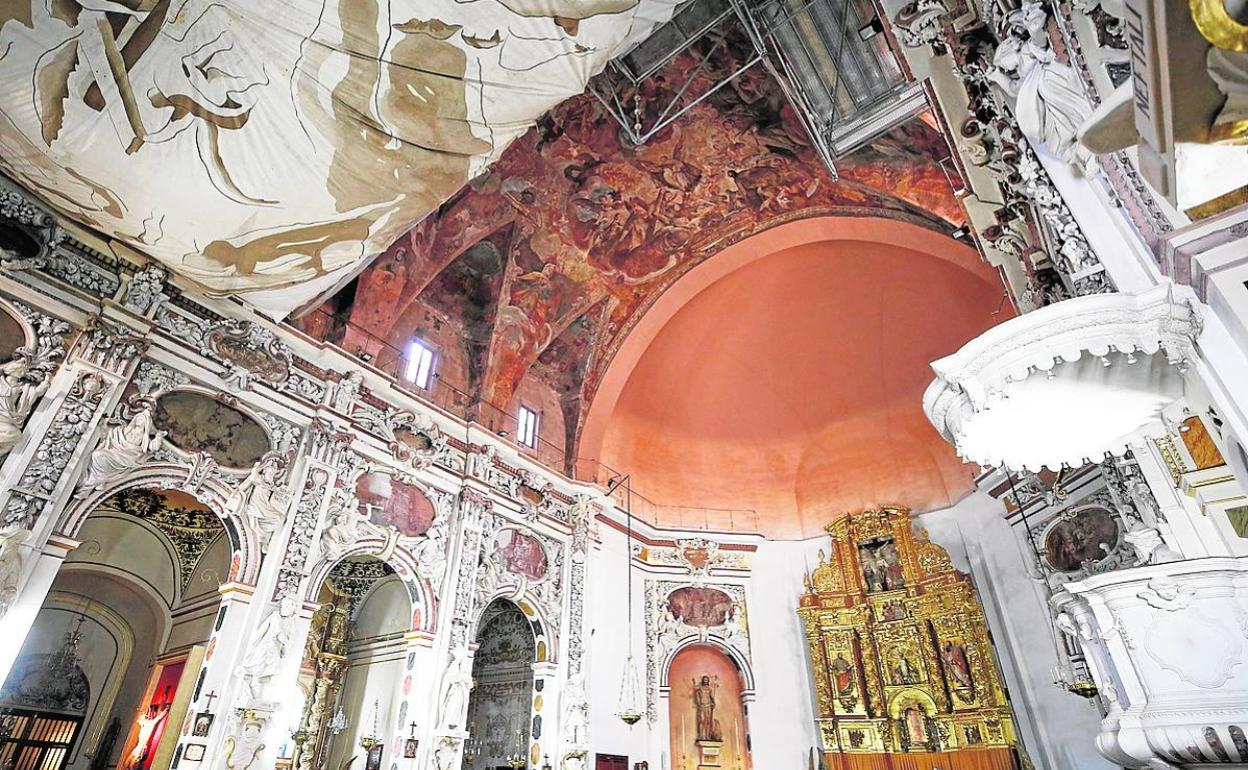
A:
(954, 658)
(11, 566)
(431, 552)
(904, 671)
(916, 727)
(843, 673)
(124, 447)
(262, 498)
(261, 661)
(576, 710)
(704, 705)
(20, 387)
(456, 688)
(342, 522)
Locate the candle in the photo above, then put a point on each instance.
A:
(683, 737)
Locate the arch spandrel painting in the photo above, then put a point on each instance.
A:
(900, 651)
(390, 502)
(521, 554)
(12, 336)
(194, 422)
(700, 607)
(305, 135)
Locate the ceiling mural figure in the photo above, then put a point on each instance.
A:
(304, 136)
(593, 231)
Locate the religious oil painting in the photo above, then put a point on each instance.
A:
(881, 564)
(373, 760)
(12, 336)
(706, 714)
(700, 607)
(521, 554)
(1085, 538)
(197, 423)
(203, 724)
(390, 502)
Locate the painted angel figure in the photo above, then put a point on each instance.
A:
(262, 497)
(20, 387)
(124, 447)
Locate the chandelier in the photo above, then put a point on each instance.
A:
(338, 722)
(632, 709)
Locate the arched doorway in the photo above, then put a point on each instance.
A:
(706, 715)
(352, 674)
(116, 648)
(500, 707)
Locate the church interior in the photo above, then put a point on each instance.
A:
(623, 384)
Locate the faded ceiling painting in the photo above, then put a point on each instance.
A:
(541, 266)
(269, 147)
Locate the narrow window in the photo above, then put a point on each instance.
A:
(526, 432)
(419, 364)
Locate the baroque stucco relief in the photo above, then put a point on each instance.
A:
(305, 136)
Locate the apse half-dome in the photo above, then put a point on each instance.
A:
(787, 387)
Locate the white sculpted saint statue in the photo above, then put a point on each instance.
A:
(273, 639)
(20, 388)
(11, 566)
(455, 690)
(124, 447)
(262, 497)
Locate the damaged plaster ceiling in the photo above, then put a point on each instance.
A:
(267, 148)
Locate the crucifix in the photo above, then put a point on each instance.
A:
(413, 726)
(210, 696)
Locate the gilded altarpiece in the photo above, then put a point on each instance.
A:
(902, 661)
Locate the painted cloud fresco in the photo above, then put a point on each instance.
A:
(266, 146)
(589, 231)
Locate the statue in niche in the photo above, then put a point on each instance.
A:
(843, 677)
(904, 671)
(576, 710)
(916, 725)
(455, 690)
(21, 385)
(704, 707)
(261, 661)
(262, 497)
(954, 658)
(125, 447)
(11, 563)
(1049, 102)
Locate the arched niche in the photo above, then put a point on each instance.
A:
(211, 494)
(354, 660)
(707, 714)
(500, 720)
(141, 590)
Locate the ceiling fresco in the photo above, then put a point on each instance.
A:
(268, 148)
(590, 231)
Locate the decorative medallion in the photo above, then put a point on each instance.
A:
(250, 350)
(390, 502)
(196, 423)
(1086, 537)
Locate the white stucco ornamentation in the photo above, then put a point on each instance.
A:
(1166, 649)
(1066, 383)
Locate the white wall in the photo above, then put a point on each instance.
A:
(1058, 729)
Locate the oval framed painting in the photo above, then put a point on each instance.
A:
(700, 607)
(394, 503)
(1086, 537)
(195, 422)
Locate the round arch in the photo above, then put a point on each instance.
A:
(210, 492)
(424, 604)
(545, 640)
(635, 341)
(733, 654)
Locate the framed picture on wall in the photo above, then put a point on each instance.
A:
(203, 724)
(409, 748)
(194, 752)
(374, 758)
